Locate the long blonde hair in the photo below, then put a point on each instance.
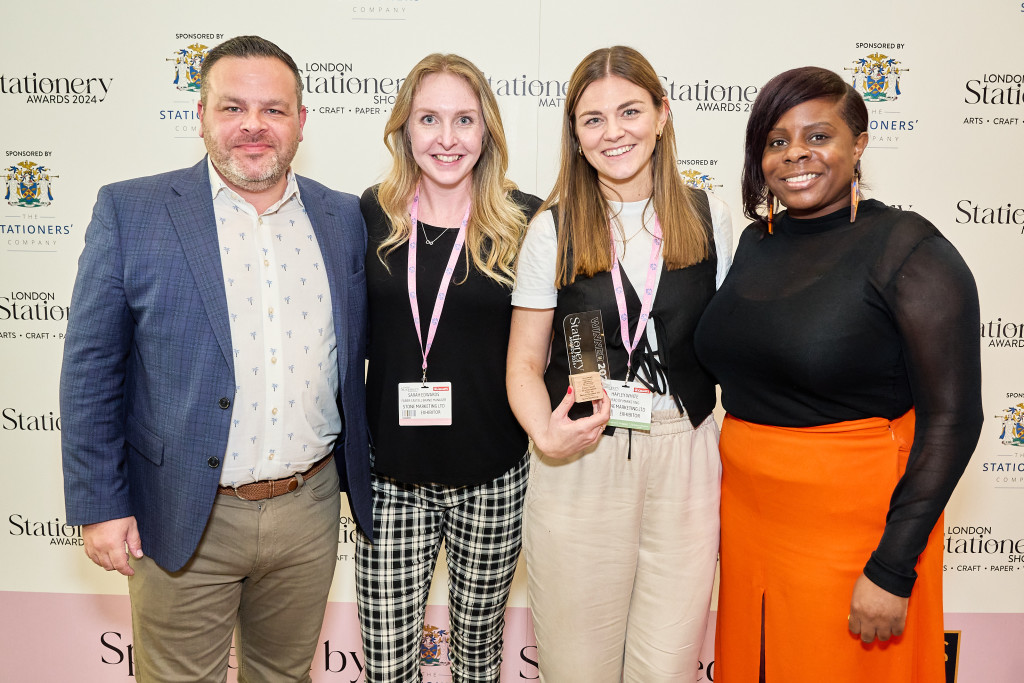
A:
(584, 242)
(496, 224)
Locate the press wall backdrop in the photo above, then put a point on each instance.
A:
(91, 93)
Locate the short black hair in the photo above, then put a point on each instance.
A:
(247, 47)
(778, 96)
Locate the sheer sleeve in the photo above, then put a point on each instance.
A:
(933, 299)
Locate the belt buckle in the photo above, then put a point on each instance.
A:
(291, 484)
(238, 493)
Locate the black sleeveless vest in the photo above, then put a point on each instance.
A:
(681, 298)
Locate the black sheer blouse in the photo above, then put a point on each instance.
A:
(827, 321)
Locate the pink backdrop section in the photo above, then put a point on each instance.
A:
(987, 654)
(87, 639)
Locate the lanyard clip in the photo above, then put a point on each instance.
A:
(423, 379)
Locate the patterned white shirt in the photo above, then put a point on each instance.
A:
(285, 413)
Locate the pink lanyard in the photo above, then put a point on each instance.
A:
(646, 302)
(445, 280)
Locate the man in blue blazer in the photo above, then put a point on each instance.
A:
(212, 390)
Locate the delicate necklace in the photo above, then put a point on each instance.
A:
(427, 239)
(626, 240)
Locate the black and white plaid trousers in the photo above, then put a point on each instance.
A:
(481, 529)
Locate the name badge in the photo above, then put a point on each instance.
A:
(631, 404)
(425, 405)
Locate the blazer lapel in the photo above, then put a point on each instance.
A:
(334, 251)
(192, 214)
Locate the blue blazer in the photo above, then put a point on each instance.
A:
(148, 379)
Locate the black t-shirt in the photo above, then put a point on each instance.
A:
(469, 350)
(827, 321)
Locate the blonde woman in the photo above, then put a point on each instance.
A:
(450, 460)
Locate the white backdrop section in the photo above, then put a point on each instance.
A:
(88, 94)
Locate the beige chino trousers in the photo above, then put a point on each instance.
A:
(621, 547)
(263, 566)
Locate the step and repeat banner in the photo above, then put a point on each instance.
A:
(92, 93)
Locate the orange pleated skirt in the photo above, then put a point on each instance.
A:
(802, 510)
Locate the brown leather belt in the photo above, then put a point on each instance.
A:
(271, 488)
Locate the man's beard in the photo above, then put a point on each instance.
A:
(235, 171)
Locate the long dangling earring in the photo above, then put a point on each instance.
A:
(771, 211)
(855, 192)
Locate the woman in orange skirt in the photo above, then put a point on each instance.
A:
(845, 341)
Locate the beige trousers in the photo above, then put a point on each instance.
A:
(263, 566)
(621, 546)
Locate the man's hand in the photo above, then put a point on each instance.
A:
(105, 543)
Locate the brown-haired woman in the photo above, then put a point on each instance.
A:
(845, 340)
(621, 529)
(444, 227)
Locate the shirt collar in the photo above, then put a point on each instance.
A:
(217, 185)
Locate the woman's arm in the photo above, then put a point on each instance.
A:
(934, 303)
(553, 433)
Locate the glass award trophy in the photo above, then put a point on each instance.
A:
(585, 346)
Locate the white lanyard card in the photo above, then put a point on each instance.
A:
(424, 404)
(631, 404)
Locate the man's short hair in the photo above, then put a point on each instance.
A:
(247, 47)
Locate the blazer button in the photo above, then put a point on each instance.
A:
(224, 403)
(214, 461)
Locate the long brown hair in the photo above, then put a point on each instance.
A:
(583, 211)
(496, 224)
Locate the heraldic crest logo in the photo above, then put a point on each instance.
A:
(877, 77)
(434, 646)
(1013, 426)
(698, 180)
(187, 62)
(29, 184)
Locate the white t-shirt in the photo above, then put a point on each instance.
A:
(537, 262)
